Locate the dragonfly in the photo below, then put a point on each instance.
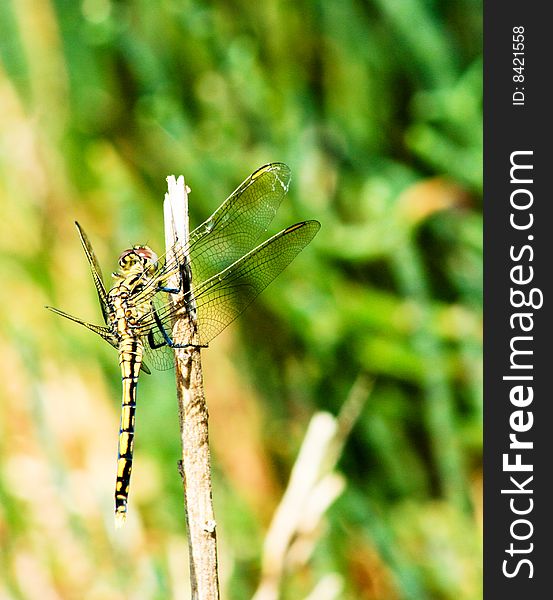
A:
(219, 271)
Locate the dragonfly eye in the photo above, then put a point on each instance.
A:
(125, 257)
(146, 254)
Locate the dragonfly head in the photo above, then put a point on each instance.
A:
(141, 258)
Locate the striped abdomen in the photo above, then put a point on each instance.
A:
(130, 360)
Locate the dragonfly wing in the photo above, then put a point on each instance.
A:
(158, 353)
(238, 224)
(95, 270)
(232, 230)
(161, 359)
(223, 297)
(104, 332)
(220, 299)
(145, 368)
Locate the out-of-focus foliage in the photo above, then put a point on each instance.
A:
(376, 107)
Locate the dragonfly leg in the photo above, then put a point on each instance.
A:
(169, 290)
(182, 278)
(152, 342)
(167, 340)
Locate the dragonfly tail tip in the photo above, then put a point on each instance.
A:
(120, 518)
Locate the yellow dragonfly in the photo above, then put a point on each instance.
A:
(227, 270)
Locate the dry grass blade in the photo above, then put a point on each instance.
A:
(311, 490)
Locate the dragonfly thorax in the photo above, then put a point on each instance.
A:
(137, 268)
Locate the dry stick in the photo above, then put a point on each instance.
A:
(193, 418)
(313, 486)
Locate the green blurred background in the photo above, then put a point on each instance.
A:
(376, 107)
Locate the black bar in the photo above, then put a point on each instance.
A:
(517, 130)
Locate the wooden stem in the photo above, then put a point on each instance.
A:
(193, 418)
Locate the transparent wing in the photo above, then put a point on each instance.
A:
(101, 331)
(162, 358)
(95, 270)
(237, 225)
(232, 230)
(220, 299)
(157, 352)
